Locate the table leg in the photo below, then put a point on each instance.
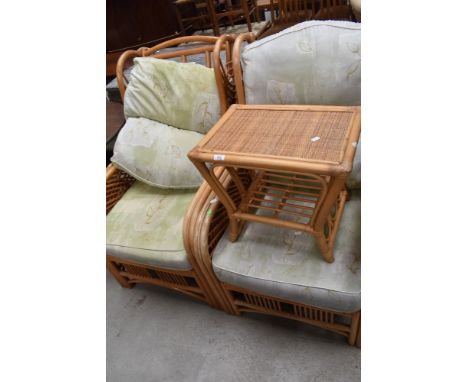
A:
(210, 177)
(238, 182)
(325, 242)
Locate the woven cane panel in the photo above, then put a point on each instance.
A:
(116, 186)
(285, 133)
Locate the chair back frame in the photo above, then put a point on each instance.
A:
(237, 66)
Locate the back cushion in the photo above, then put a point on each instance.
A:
(314, 62)
(183, 95)
(156, 154)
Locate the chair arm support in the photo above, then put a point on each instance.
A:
(117, 183)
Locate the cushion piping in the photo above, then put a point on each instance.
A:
(279, 35)
(155, 184)
(284, 282)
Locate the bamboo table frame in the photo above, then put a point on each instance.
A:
(298, 157)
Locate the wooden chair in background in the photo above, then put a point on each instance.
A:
(209, 14)
(192, 15)
(233, 10)
(286, 13)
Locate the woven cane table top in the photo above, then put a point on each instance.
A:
(302, 133)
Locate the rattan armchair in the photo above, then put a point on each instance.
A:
(215, 52)
(211, 221)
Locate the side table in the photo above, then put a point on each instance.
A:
(299, 158)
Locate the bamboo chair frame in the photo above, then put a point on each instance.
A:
(237, 66)
(210, 220)
(126, 272)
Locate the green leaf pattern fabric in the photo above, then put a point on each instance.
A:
(146, 226)
(156, 154)
(284, 263)
(183, 95)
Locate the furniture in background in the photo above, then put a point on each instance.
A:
(160, 212)
(233, 11)
(286, 13)
(131, 24)
(209, 14)
(273, 270)
(333, 10)
(192, 15)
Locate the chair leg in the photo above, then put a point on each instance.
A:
(358, 340)
(123, 281)
(354, 328)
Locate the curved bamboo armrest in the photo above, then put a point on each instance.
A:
(208, 221)
(237, 67)
(224, 72)
(117, 183)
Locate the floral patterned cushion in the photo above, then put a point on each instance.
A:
(182, 95)
(314, 62)
(146, 226)
(157, 154)
(284, 263)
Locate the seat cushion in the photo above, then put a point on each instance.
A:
(156, 154)
(285, 263)
(323, 61)
(146, 226)
(183, 95)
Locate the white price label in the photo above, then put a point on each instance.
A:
(218, 157)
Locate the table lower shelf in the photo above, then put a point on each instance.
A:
(290, 197)
(291, 201)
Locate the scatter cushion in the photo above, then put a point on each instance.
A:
(287, 264)
(314, 62)
(183, 95)
(354, 179)
(157, 154)
(146, 226)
